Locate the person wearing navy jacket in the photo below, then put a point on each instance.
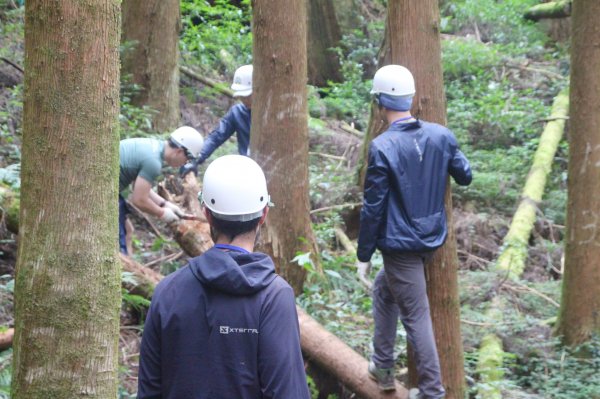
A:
(403, 215)
(236, 120)
(225, 326)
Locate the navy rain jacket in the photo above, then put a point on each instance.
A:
(237, 119)
(223, 327)
(403, 204)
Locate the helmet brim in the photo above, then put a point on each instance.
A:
(242, 93)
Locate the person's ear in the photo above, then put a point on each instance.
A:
(207, 214)
(264, 216)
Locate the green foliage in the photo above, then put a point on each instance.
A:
(496, 21)
(558, 372)
(11, 176)
(5, 373)
(216, 35)
(347, 99)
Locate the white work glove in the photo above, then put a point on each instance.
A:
(177, 210)
(363, 269)
(169, 216)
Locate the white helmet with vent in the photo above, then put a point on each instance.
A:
(235, 188)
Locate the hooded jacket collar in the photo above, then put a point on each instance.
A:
(235, 273)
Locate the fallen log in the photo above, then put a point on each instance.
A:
(327, 350)
(193, 236)
(511, 261)
(218, 86)
(6, 338)
(553, 9)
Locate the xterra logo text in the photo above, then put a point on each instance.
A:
(237, 330)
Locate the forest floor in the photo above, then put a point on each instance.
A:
(333, 162)
(479, 234)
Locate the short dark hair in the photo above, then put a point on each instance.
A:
(232, 228)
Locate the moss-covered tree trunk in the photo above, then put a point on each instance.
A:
(414, 41)
(580, 306)
(323, 35)
(279, 140)
(67, 290)
(151, 34)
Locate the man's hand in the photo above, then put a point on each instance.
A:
(189, 167)
(176, 210)
(363, 269)
(169, 216)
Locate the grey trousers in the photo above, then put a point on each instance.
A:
(400, 290)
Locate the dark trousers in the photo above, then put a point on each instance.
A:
(123, 211)
(400, 291)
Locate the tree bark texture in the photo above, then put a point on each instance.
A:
(151, 33)
(515, 244)
(68, 278)
(279, 141)
(580, 307)
(415, 43)
(323, 34)
(552, 9)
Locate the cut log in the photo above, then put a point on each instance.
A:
(193, 236)
(553, 9)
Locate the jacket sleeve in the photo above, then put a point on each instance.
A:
(459, 167)
(280, 364)
(218, 136)
(149, 374)
(374, 204)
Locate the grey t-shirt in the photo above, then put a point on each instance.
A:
(139, 157)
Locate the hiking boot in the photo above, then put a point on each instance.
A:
(384, 377)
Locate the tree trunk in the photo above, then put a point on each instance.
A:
(151, 35)
(553, 9)
(323, 34)
(415, 44)
(580, 307)
(68, 281)
(279, 140)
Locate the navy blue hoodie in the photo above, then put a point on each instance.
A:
(403, 205)
(225, 326)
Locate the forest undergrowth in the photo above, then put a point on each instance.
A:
(501, 74)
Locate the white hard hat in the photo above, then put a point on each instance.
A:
(242, 81)
(394, 80)
(188, 138)
(234, 188)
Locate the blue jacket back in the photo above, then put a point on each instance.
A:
(224, 326)
(403, 205)
(237, 119)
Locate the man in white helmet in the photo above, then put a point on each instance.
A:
(225, 326)
(403, 216)
(140, 163)
(237, 119)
